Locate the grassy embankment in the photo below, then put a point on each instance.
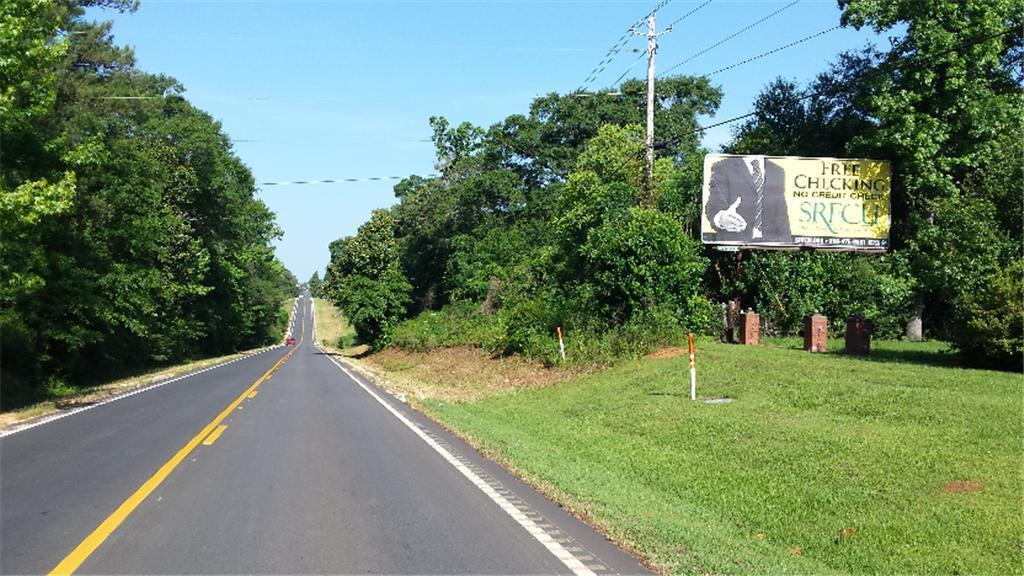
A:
(68, 397)
(822, 463)
(332, 330)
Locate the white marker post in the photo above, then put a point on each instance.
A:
(693, 371)
(561, 344)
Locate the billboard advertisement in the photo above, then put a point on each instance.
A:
(794, 202)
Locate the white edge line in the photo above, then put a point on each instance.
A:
(570, 561)
(117, 397)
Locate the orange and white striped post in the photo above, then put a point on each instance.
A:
(561, 343)
(693, 370)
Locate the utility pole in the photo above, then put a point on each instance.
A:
(652, 49)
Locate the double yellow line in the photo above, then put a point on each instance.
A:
(79, 555)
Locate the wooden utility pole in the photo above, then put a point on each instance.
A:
(652, 49)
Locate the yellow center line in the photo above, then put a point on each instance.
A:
(214, 435)
(77, 556)
(254, 393)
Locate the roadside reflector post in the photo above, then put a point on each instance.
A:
(693, 371)
(561, 343)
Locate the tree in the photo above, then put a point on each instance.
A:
(945, 106)
(315, 285)
(366, 280)
(622, 258)
(948, 95)
(129, 231)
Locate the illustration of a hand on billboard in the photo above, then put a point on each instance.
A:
(747, 200)
(729, 219)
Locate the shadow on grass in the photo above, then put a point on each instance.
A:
(941, 359)
(72, 404)
(928, 353)
(357, 355)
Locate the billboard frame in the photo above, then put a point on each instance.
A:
(808, 245)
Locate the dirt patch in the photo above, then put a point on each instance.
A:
(960, 486)
(666, 353)
(460, 374)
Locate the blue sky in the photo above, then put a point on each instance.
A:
(328, 89)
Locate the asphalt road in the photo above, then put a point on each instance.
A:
(247, 469)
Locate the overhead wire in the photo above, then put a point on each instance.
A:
(731, 36)
(772, 51)
(688, 14)
(333, 181)
(617, 47)
(883, 68)
(879, 70)
(630, 67)
(669, 27)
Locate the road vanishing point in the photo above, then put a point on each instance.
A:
(283, 462)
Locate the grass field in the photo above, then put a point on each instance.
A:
(822, 463)
(332, 330)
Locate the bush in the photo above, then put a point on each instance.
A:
(784, 287)
(453, 325)
(529, 327)
(366, 280)
(374, 306)
(639, 262)
(989, 328)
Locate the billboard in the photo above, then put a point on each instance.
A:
(793, 202)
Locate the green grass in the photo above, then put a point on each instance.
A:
(332, 329)
(823, 463)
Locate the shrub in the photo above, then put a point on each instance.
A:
(453, 325)
(989, 328)
(529, 327)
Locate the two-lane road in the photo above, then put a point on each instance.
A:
(278, 463)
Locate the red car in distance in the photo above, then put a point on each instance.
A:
(289, 342)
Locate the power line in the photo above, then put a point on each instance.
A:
(688, 14)
(669, 27)
(773, 51)
(612, 52)
(635, 62)
(617, 47)
(729, 37)
(881, 69)
(334, 181)
(811, 94)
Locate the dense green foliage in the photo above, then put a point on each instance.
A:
(945, 105)
(315, 285)
(544, 220)
(129, 231)
(991, 319)
(366, 281)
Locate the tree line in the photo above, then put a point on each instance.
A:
(131, 235)
(544, 218)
